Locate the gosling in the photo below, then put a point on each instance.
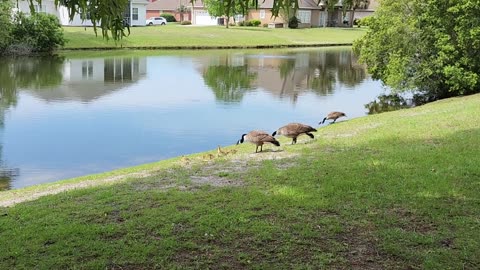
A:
(333, 116)
(258, 138)
(293, 130)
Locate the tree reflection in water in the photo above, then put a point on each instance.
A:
(283, 74)
(17, 73)
(229, 83)
(387, 103)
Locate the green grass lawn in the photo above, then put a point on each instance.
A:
(398, 190)
(175, 35)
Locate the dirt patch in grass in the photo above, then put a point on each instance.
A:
(214, 181)
(362, 252)
(409, 221)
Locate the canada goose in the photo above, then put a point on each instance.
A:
(185, 160)
(258, 138)
(221, 152)
(333, 116)
(208, 157)
(293, 130)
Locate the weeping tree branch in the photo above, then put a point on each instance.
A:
(108, 15)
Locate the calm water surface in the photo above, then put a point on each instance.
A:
(62, 117)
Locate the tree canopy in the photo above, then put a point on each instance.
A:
(430, 46)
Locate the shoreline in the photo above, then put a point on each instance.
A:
(239, 47)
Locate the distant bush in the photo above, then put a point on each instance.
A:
(250, 23)
(232, 24)
(365, 21)
(255, 22)
(265, 25)
(39, 32)
(293, 22)
(169, 17)
(186, 23)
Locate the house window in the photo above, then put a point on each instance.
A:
(87, 69)
(262, 14)
(135, 14)
(304, 16)
(40, 8)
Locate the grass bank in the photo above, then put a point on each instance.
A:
(398, 190)
(176, 36)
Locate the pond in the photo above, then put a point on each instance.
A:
(91, 112)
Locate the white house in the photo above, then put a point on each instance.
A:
(135, 12)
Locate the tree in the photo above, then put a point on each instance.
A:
(353, 5)
(182, 9)
(425, 45)
(6, 23)
(227, 8)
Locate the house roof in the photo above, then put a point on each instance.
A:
(303, 4)
(167, 4)
(144, 2)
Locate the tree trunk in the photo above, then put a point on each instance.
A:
(352, 16)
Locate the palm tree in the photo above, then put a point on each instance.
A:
(353, 5)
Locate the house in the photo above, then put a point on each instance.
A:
(311, 13)
(196, 12)
(135, 12)
(174, 7)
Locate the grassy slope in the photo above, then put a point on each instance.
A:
(395, 190)
(178, 36)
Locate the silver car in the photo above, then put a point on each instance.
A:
(156, 21)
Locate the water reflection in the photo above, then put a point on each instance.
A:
(283, 74)
(71, 116)
(229, 78)
(387, 103)
(55, 78)
(86, 80)
(28, 72)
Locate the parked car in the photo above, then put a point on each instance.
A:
(156, 21)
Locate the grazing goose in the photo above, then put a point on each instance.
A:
(293, 130)
(333, 116)
(258, 138)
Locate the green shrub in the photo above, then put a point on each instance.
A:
(365, 21)
(255, 22)
(186, 23)
(248, 23)
(265, 25)
(169, 17)
(40, 32)
(241, 23)
(293, 22)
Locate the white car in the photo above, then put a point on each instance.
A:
(156, 21)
